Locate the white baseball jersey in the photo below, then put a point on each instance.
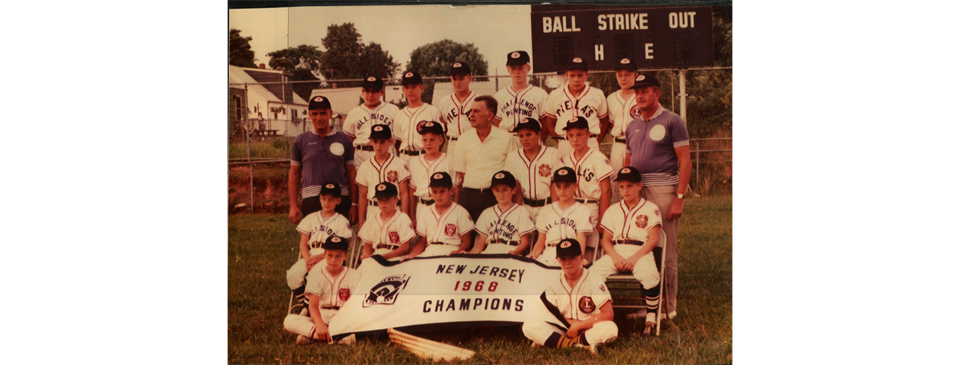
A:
(359, 120)
(446, 227)
(631, 223)
(590, 104)
(456, 114)
(506, 225)
(558, 224)
(620, 115)
(405, 125)
(333, 291)
(581, 300)
(319, 229)
(421, 170)
(389, 234)
(513, 106)
(533, 175)
(371, 173)
(591, 168)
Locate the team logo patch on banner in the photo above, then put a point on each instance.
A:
(586, 305)
(343, 294)
(544, 170)
(385, 293)
(392, 176)
(642, 221)
(635, 111)
(450, 230)
(394, 238)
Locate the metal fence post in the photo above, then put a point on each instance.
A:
(683, 95)
(247, 133)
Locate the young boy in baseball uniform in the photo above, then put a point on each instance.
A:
(389, 232)
(373, 111)
(631, 229)
(383, 167)
(445, 227)
(505, 227)
(532, 165)
(621, 104)
(583, 301)
(576, 99)
(416, 111)
(455, 107)
(565, 218)
(328, 288)
(593, 176)
(520, 100)
(314, 230)
(427, 164)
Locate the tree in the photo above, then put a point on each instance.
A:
(347, 57)
(375, 61)
(240, 52)
(434, 59)
(300, 57)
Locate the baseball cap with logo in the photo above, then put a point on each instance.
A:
(626, 64)
(372, 83)
(459, 68)
(629, 174)
(411, 78)
(319, 102)
(385, 190)
(564, 174)
(503, 178)
(645, 80)
(441, 180)
(380, 131)
(528, 123)
(569, 247)
(330, 189)
(579, 122)
(335, 243)
(426, 126)
(577, 63)
(517, 58)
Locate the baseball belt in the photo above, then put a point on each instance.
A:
(383, 245)
(412, 153)
(333, 307)
(620, 140)
(373, 203)
(587, 201)
(426, 202)
(365, 147)
(536, 203)
(501, 241)
(628, 242)
(442, 243)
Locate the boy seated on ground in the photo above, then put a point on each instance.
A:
(505, 227)
(328, 288)
(387, 233)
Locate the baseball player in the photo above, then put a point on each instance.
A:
(372, 111)
(327, 290)
(576, 99)
(584, 304)
(593, 174)
(445, 227)
(520, 100)
(314, 230)
(533, 165)
(383, 167)
(416, 111)
(388, 233)
(455, 107)
(505, 227)
(427, 164)
(621, 104)
(633, 225)
(565, 218)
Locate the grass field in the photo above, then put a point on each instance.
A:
(261, 248)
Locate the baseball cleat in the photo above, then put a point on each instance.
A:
(349, 340)
(638, 314)
(304, 340)
(648, 329)
(535, 345)
(672, 315)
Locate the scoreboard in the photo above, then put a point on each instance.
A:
(652, 36)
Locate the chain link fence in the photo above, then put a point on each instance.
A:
(265, 116)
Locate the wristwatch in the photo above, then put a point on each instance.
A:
(679, 196)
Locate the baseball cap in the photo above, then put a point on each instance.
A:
(335, 243)
(441, 180)
(319, 102)
(528, 123)
(629, 174)
(385, 190)
(576, 63)
(626, 64)
(569, 247)
(645, 80)
(426, 126)
(411, 78)
(517, 58)
(380, 131)
(459, 68)
(373, 83)
(330, 189)
(580, 122)
(564, 174)
(503, 178)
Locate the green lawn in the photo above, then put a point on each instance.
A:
(262, 247)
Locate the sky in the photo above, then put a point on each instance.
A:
(398, 29)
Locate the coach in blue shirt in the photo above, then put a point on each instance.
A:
(659, 147)
(321, 156)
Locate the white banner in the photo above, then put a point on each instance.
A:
(436, 290)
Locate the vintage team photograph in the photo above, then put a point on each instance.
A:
(509, 184)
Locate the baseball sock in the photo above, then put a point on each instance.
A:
(652, 297)
(300, 299)
(557, 340)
